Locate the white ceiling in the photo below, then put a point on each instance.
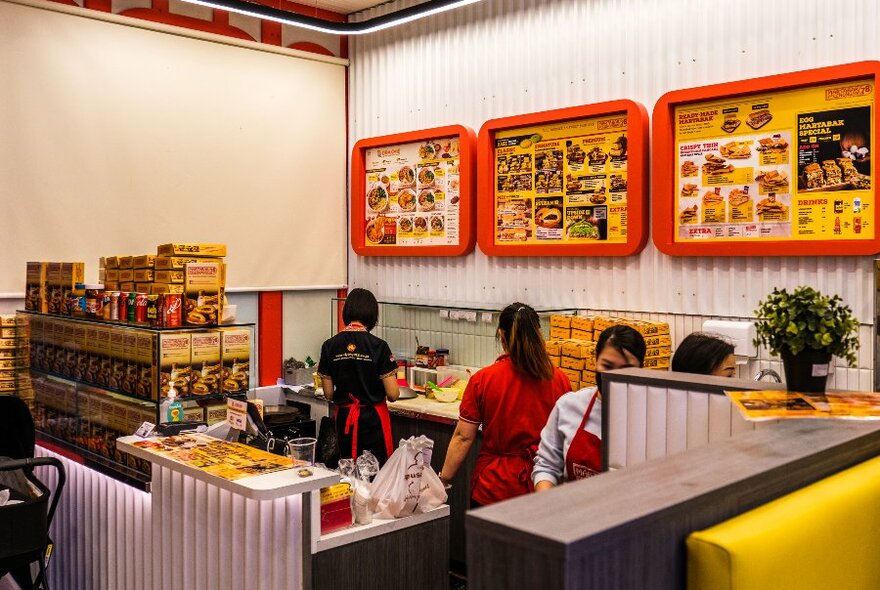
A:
(342, 6)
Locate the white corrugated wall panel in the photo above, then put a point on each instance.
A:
(107, 546)
(505, 57)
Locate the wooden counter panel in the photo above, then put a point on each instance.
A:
(626, 529)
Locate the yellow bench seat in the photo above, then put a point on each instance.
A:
(824, 536)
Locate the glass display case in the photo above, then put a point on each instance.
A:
(94, 380)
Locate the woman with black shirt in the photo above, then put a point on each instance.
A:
(358, 373)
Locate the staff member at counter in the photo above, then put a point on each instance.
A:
(359, 374)
(511, 399)
(571, 444)
(705, 354)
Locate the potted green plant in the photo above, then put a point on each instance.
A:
(806, 329)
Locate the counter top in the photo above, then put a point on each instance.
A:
(379, 526)
(258, 487)
(423, 408)
(420, 408)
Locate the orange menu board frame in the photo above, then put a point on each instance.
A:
(392, 148)
(835, 197)
(632, 119)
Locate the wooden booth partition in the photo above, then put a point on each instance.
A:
(627, 529)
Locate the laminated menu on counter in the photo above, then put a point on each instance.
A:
(220, 458)
(778, 405)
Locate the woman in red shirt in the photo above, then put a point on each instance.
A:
(512, 399)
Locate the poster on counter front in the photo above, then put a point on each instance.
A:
(787, 165)
(412, 197)
(565, 185)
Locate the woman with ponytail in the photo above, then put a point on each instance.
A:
(511, 399)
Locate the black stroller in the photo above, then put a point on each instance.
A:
(24, 527)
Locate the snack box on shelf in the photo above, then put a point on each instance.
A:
(192, 249)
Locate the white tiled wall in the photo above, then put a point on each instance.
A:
(474, 343)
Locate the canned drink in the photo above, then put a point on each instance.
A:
(114, 305)
(172, 310)
(140, 308)
(153, 310)
(131, 307)
(123, 306)
(105, 306)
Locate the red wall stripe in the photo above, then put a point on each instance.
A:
(271, 336)
(342, 294)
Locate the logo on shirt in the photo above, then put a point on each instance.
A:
(351, 347)
(582, 471)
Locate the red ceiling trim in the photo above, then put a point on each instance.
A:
(311, 47)
(270, 32)
(158, 15)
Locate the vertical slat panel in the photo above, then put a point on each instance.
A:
(637, 50)
(719, 417)
(655, 439)
(697, 419)
(636, 423)
(617, 419)
(98, 527)
(676, 421)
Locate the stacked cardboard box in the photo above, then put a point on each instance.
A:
(15, 378)
(572, 344)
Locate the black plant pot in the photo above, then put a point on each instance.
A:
(806, 371)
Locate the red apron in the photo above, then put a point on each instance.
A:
(584, 456)
(352, 423)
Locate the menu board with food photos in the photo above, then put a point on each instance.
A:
(561, 185)
(413, 195)
(783, 164)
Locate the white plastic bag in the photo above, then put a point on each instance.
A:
(406, 485)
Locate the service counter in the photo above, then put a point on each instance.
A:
(436, 420)
(195, 530)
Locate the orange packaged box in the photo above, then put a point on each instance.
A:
(147, 365)
(144, 261)
(203, 285)
(35, 298)
(235, 346)
(169, 276)
(192, 249)
(175, 363)
(206, 367)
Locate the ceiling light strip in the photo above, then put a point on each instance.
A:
(371, 25)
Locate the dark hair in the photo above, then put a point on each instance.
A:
(622, 339)
(361, 306)
(521, 328)
(701, 353)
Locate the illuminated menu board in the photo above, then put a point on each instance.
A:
(412, 194)
(567, 182)
(779, 165)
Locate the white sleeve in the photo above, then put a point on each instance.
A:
(550, 460)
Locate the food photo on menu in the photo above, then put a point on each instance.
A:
(834, 152)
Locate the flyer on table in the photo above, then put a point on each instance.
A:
(779, 405)
(412, 194)
(562, 182)
(787, 165)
